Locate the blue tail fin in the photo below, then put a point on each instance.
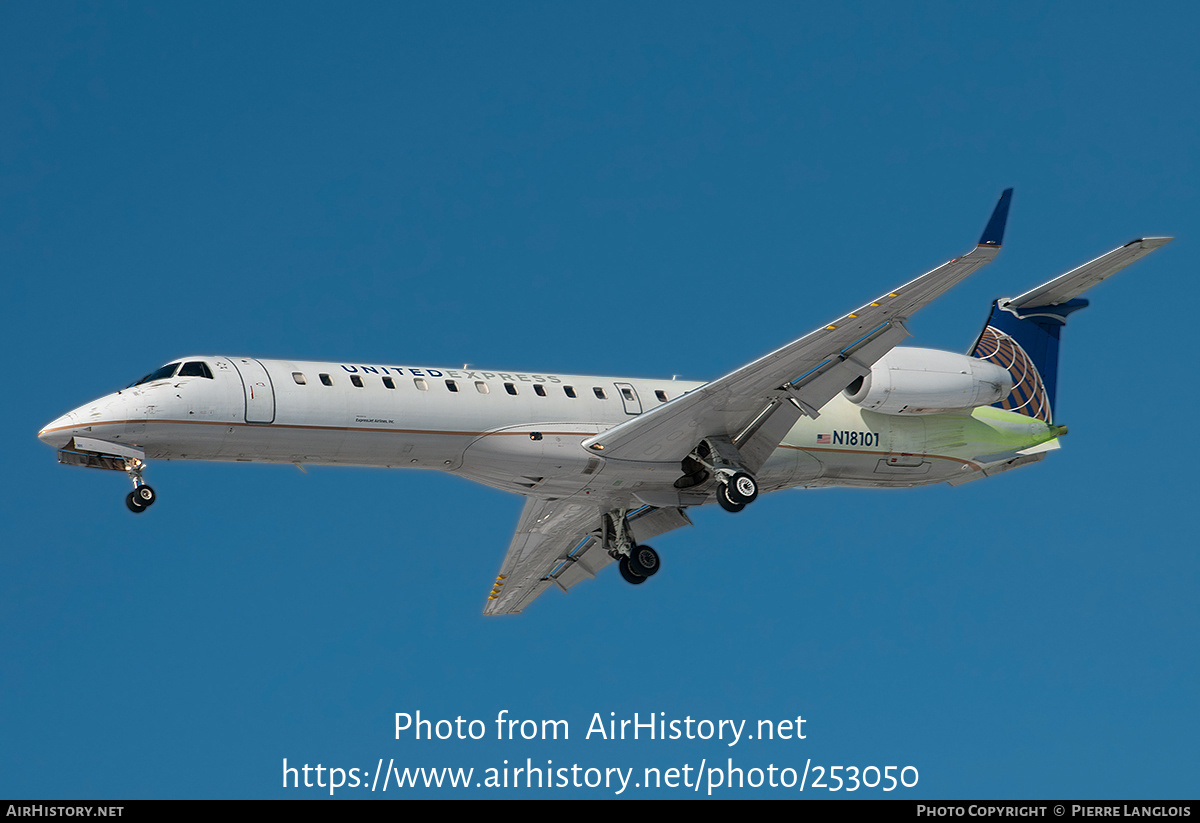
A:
(1025, 342)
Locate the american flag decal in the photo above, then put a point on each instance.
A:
(823, 439)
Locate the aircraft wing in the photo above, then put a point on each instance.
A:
(756, 405)
(558, 543)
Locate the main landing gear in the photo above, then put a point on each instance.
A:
(637, 563)
(718, 457)
(142, 496)
(640, 563)
(737, 491)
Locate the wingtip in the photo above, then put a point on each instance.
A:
(1152, 242)
(993, 233)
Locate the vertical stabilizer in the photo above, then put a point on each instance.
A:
(1026, 344)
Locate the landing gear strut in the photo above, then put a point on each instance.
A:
(636, 562)
(142, 495)
(719, 457)
(737, 491)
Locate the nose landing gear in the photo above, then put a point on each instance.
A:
(138, 499)
(142, 495)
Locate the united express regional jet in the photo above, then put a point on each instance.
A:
(606, 463)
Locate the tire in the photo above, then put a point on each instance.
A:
(643, 561)
(134, 504)
(627, 572)
(742, 488)
(145, 495)
(727, 504)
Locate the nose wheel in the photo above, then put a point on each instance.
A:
(142, 496)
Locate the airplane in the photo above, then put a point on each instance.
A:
(606, 463)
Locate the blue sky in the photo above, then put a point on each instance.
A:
(616, 189)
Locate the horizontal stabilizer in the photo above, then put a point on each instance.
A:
(1077, 281)
(1022, 333)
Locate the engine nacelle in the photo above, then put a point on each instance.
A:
(927, 381)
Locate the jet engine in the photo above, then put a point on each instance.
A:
(927, 381)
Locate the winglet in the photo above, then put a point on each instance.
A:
(994, 233)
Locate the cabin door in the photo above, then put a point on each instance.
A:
(260, 396)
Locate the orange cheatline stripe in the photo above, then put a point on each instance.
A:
(312, 428)
(459, 433)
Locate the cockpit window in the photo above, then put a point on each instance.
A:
(159, 374)
(195, 368)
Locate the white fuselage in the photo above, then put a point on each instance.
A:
(521, 432)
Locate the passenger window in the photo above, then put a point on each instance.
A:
(539, 390)
(627, 394)
(389, 382)
(420, 383)
(326, 380)
(510, 388)
(661, 395)
(195, 368)
(299, 378)
(600, 393)
(451, 385)
(481, 387)
(570, 391)
(356, 380)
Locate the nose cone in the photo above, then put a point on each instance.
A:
(58, 432)
(103, 419)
